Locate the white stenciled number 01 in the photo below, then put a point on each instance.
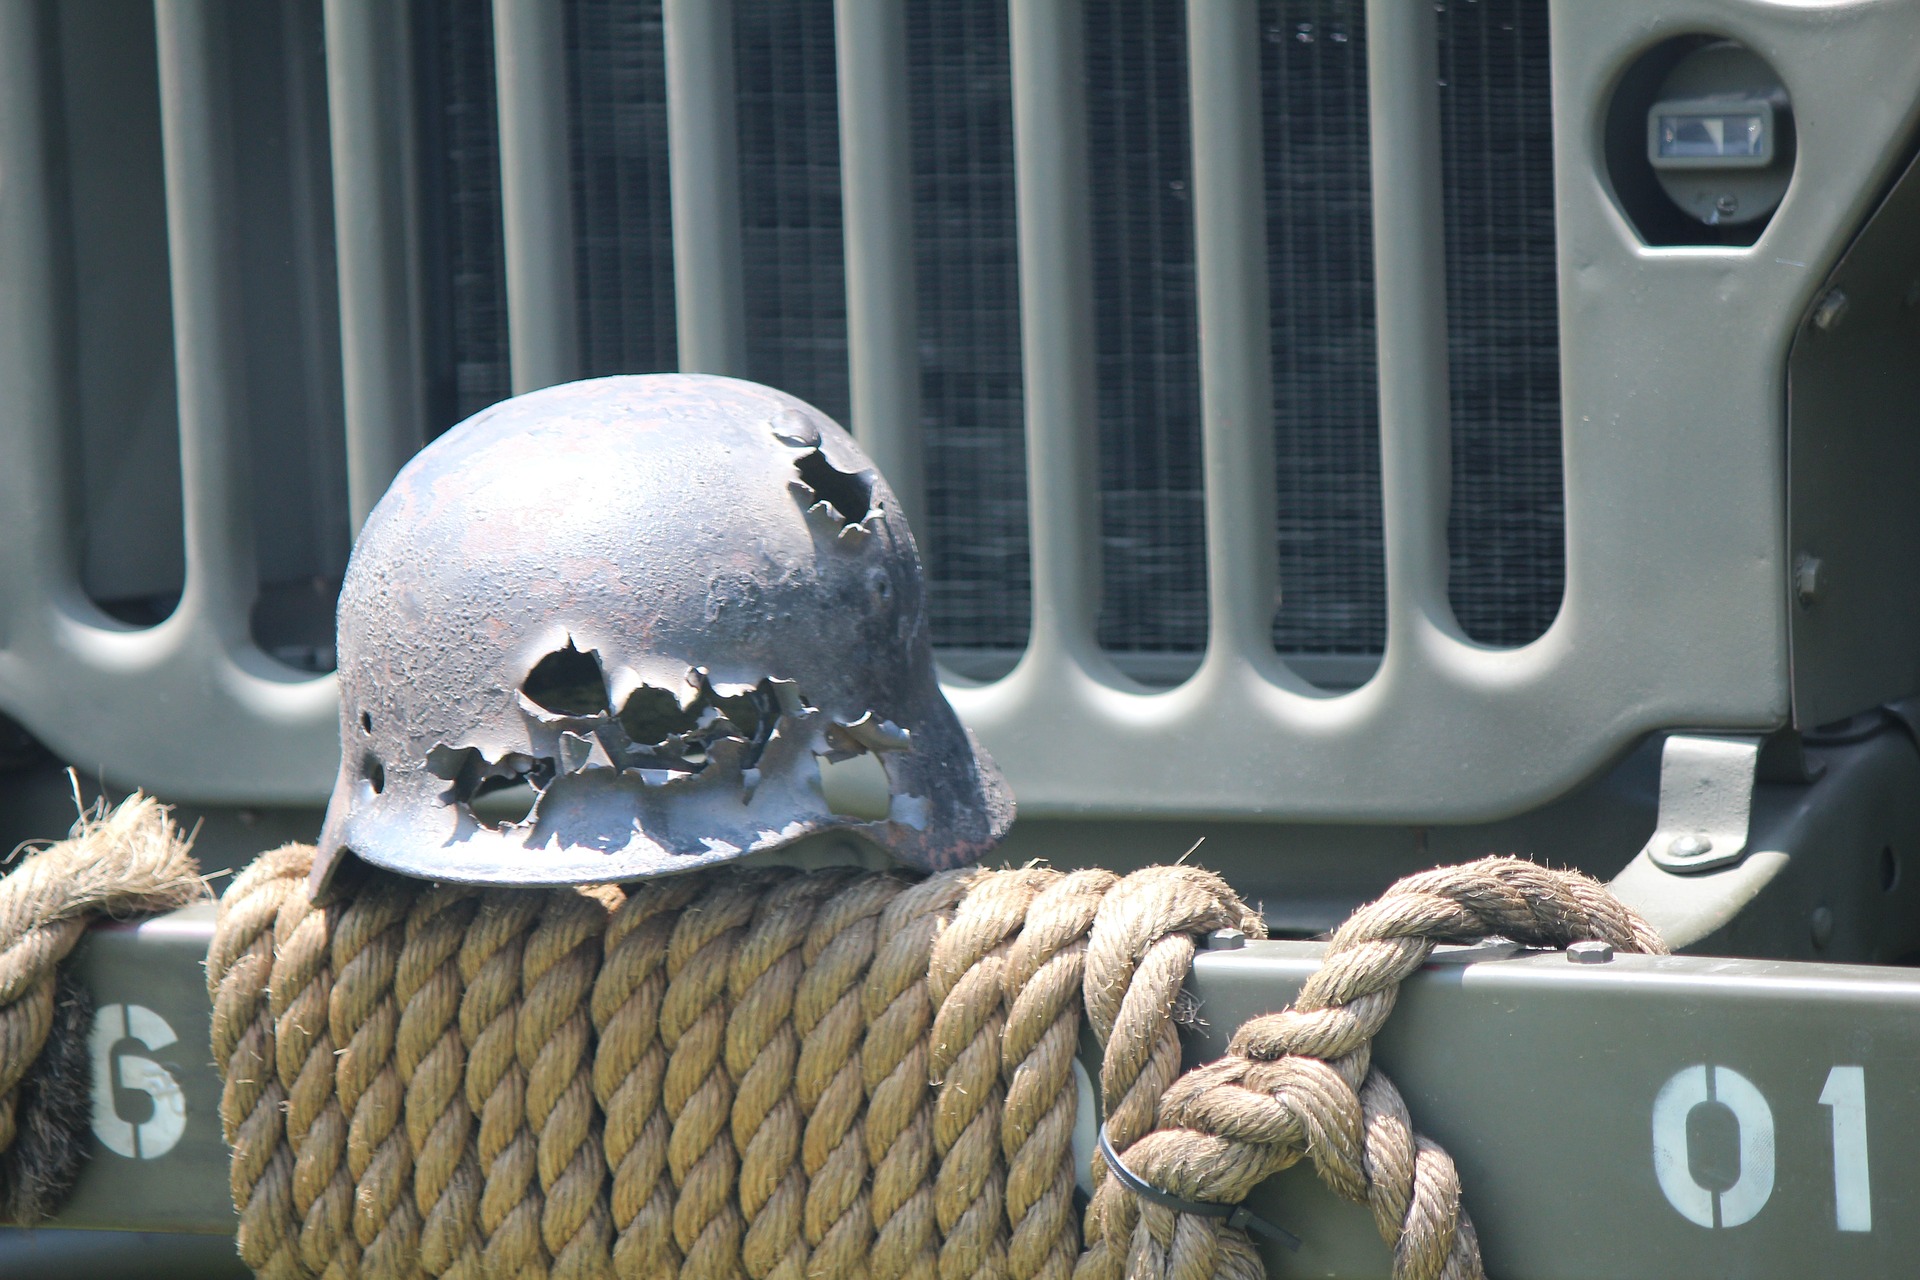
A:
(155, 1135)
(1692, 1087)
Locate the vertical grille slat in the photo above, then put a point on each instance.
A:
(214, 459)
(876, 198)
(704, 150)
(529, 45)
(1409, 262)
(1047, 38)
(369, 113)
(1229, 208)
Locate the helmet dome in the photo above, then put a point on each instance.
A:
(662, 602)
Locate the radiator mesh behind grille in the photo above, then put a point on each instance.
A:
(1507, 527)
(1320, 289)
(967, 272)
(623, 226)
(1146, 334)
(466, 272)
(792, 253)
(1506, 513)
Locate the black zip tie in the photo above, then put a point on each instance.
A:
(1237, 1215)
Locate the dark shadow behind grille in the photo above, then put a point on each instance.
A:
(967, 270)
(126, 425)
(1146, 330)
(792, 252)
(466, 286)
(1320, 281)
(1507, 521)
(1507, 568)
(622, 213)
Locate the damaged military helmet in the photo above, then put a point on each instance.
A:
(661, 605)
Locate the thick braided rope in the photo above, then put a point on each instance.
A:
(899, 1013)
(129, 861)
(829, 1084)
(252, 1101)
(629, 1066)
(813, 1074)
(1299, 1081)
(496, 1087)
(762, 1054)
(364, 1018)
(432, 1061)
(1045, 971)
(300, 988)
(554, 1043)
(697, 1090)
(1139, 952)
(965, 982)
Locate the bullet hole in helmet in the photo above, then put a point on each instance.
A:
(653, 715)
(497, 793)
(568, 682)
(656, 732)
(374, 772)
(856, 786)
(850, 495)
(366, 722)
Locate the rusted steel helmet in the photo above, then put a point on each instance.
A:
(662, 602)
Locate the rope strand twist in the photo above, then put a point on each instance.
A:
(785, 1075)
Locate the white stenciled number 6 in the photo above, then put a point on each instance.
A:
(1696, 1087)
(1846, 1093)
(152, 1137)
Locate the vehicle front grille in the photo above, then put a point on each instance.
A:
(1496, 124)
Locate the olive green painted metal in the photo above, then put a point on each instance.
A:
(163, 1180)
(1560, 1089)
(703, 158)
(1236, 372)
(536, 192)
(1675, 464)
(1682, 585)
(876, 200)
(55, 1253)
(1541, 1078)
(1831, 870)
(1853, 387)
(121, 701)
(369, 104)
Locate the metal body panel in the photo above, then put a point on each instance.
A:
(1853, 388)
(1677, 604)
(160, 966)
(1675, 612)
(1539, 1076)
